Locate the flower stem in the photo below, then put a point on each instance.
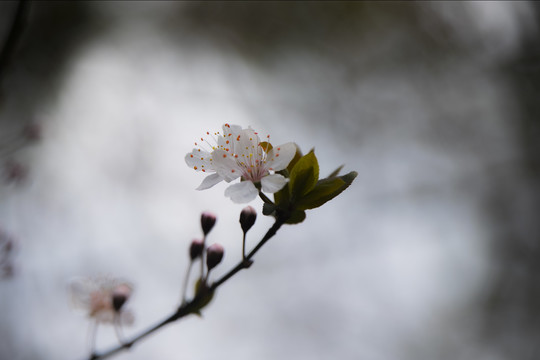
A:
(203, 254)
(244, 264)
(265, 198)
(117, 328)
(92, 336)
(244, 246)
(186, 280)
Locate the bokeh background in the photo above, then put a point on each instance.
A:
(432, 253)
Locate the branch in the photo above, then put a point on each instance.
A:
(14, 35)
(193, 306)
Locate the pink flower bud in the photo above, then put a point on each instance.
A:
(214, 254)
(196, 249)
(208, 220)
(247, 218)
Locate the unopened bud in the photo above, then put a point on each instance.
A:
(247, 218)
(120, 295)
(208, 220)
(214, 254)
(196, 249)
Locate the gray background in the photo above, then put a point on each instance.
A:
(431, 254)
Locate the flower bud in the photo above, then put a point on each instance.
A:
(247, 218)
(208, 220)
(120, 295)
(214, 254)
(196, 249)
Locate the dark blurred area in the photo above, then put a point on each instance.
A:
(353, 40)
(511, 311)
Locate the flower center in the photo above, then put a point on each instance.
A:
(253, 165)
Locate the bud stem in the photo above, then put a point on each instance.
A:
(244, 247)
(203, 257)
(186, 280)
(117, 328)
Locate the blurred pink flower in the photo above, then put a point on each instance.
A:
(102, 298)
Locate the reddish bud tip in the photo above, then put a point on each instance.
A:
(214, 255)
(247, 218)
(120, 295)
(208, 220)
(196, 249)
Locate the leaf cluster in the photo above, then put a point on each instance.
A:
(305, 190)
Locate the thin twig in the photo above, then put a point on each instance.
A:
(194, 305)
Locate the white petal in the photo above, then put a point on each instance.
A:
(280, 156)
(242, 192)
(210, 181)
(234, 130)
(80, 290)
(199, 160)
(225, 165)
(246, 143)
(273, 183)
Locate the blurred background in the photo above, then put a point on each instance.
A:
(432, 253)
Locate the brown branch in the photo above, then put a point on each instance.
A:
(193, 306)
(14, 35)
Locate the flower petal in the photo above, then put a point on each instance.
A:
(242, 192)
(246, 144)
(280, 156)
(234, 130)
(225, 165)
(210, 181)
(199, 160)
(273, 183)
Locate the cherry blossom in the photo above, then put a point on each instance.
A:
(239, 153)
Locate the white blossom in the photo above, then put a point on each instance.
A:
(239, 153)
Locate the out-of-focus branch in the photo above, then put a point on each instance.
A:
(15, 32)
(193, 306)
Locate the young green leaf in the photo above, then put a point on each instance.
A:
(296, 217)
(206, 296)
(268, 209)
(282, 197)
(325, 190)
(304, 176)
(335, 172)
(295, 159)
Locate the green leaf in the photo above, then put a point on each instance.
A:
(282, 197)
(296, 217)
(268, 209)
(206, 296)
(295, 159)
(304, 175)
(335, 172)
(326, 190)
